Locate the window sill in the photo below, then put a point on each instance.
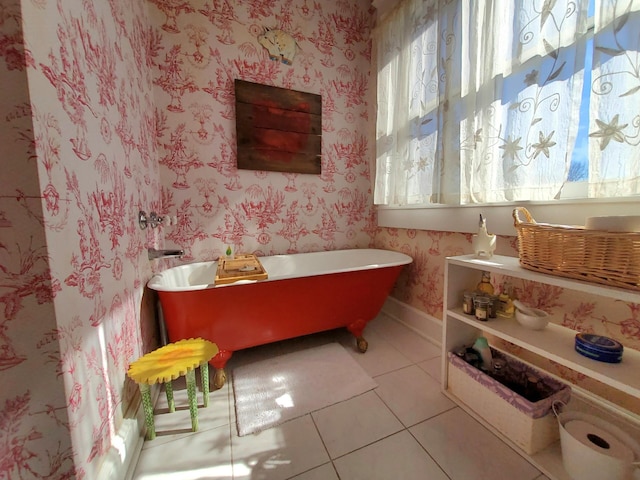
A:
(464, 218)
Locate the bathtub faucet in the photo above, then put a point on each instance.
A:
(153, 253)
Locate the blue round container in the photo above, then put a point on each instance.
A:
(598, 347)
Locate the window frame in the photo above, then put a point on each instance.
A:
(464, 218)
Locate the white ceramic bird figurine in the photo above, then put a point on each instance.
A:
(483, 243)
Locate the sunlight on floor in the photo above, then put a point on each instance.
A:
(399, 425)
(285, 401)
(220, 471)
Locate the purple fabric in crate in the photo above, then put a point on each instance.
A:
(538, 409)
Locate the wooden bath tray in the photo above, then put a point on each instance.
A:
(243, 266)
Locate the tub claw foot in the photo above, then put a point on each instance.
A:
(356, 329)
(220, 378)
(219, 361)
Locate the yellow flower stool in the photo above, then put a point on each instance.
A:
(168, 363)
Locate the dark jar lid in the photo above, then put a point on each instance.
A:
(598, 343)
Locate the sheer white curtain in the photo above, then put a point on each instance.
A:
(409, 102)
(522, 85)
(615, 100)
(479, 102)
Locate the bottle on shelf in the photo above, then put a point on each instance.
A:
(505, 308)
(481, 345)
(485, 284)
(499, 369)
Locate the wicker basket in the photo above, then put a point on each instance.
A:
(531, 426)
(609, 258)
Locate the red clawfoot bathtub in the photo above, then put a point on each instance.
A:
(305, 293)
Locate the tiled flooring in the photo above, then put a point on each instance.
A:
(404, 429)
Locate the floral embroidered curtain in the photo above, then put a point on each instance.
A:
(479, 102)
(614, 127)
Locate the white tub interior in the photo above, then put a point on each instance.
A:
(200, 275)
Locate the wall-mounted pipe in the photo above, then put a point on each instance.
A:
(152, 220)
(153, 253)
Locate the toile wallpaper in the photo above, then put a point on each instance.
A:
(78, 139)
(321, 48)
(115, 106)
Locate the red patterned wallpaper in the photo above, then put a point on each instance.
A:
(115, 106)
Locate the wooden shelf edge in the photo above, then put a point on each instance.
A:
(613, 375)
(510, 266)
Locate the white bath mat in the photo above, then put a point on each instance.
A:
(278, 389)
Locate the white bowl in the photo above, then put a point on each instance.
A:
(536, 321)
(614, 223)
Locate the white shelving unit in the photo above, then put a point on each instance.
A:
(554, 342)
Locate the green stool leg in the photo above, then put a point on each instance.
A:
(193, 402)
(168, 388)
(204, 375)
(148, 410)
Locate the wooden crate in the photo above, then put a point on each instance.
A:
(241, 267)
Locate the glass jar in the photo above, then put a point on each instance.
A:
(467, 303)
(494, 302)
(481, 304)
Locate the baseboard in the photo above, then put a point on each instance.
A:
(124, 452)
(418, 321)
(122, 458)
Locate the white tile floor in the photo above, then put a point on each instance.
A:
(404, 429)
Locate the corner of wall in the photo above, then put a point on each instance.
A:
(421, 323)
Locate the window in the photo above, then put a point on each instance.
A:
(499, 102)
